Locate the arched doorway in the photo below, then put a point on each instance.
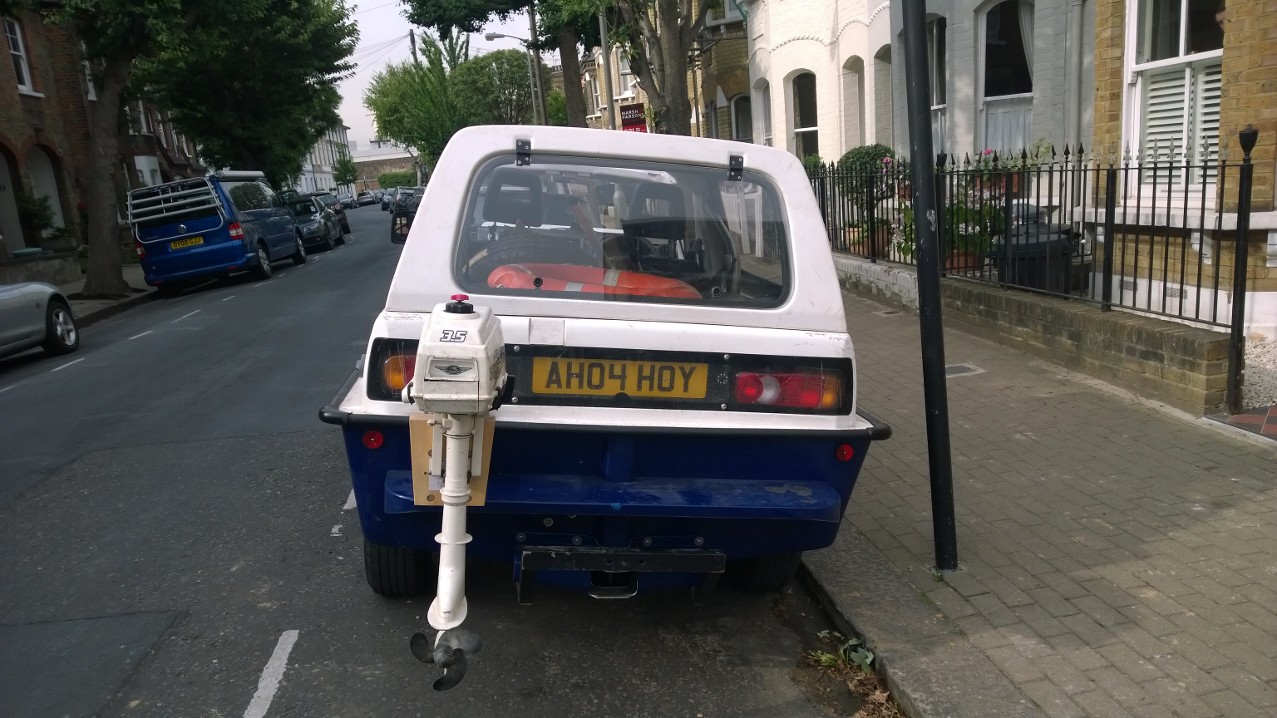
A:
(44, 181)
(10, 226)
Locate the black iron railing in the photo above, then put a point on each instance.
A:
(1155, 234)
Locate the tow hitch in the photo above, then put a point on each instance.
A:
(459, 377)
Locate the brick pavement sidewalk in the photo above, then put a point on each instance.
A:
(1117, 558)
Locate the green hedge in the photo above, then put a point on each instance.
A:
(390, 180)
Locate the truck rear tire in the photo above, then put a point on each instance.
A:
(765, 573)
(397, 572)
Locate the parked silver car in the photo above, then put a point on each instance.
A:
(34, 314)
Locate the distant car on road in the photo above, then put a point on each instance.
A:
(35, 314)
(386, 197)
(319, 225)
(331, 202)
(403, 195)
(365, 198)
(347, 200)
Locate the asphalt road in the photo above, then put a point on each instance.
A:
(176, 539)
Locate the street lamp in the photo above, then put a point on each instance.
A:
(534, 65)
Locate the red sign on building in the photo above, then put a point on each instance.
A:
(633, 118)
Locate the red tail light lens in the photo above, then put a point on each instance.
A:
(237, 232)
(141, 251)
(814, 391)
(373, 439)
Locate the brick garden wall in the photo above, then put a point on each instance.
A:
(1178, 365)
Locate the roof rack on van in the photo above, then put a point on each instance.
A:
(171, 199)
(240, 175)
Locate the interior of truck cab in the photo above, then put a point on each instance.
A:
(639, 232)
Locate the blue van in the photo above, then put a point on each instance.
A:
(197, 228)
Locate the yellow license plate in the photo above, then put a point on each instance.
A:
(183, 243)
(609, 377)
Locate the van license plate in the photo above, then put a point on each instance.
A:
(190, 242)
(609, 377)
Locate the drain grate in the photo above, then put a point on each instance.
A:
(962, 370)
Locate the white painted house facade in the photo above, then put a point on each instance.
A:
(1005, 74)
(814, 79)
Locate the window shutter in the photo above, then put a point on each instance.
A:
(1206, 115)
(1165, 114)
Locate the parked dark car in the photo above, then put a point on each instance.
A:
(386, 197)
(347, 200)
(331, 202)
(319, 225)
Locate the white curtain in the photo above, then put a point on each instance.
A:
(1026, 31)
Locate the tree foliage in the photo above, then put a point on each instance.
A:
(495, 88)
(344, 170)
(563, 24)
(465, 15)
(262, 93)
(413, 104)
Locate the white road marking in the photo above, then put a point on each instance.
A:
(148, 331)
(259, 284)
(350, 501)
(229, 298)
(336, 530)
(175, 321)
(64, 366)
(7, 388)
(272, 674)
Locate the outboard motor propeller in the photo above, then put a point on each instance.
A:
(449, 653)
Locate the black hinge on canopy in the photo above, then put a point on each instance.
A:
(735, 168)
(522, 152)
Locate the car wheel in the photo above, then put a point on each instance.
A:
(341, 238)
(60, 333)
(263, 269)
(299, 256)
(328, 243)
(396, 571)
(765, 573)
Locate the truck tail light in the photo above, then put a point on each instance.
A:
(807, 391)
(396, 371)
(391, 363)
(237, 232)
(141, 251)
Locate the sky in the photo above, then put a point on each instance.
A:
(383, 39)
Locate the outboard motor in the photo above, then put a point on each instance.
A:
(459, 377)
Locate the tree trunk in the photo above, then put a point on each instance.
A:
(570, 58)
(677, 118)
(104, 276)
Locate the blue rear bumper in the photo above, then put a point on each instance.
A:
(743, 495)
(185, 265)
